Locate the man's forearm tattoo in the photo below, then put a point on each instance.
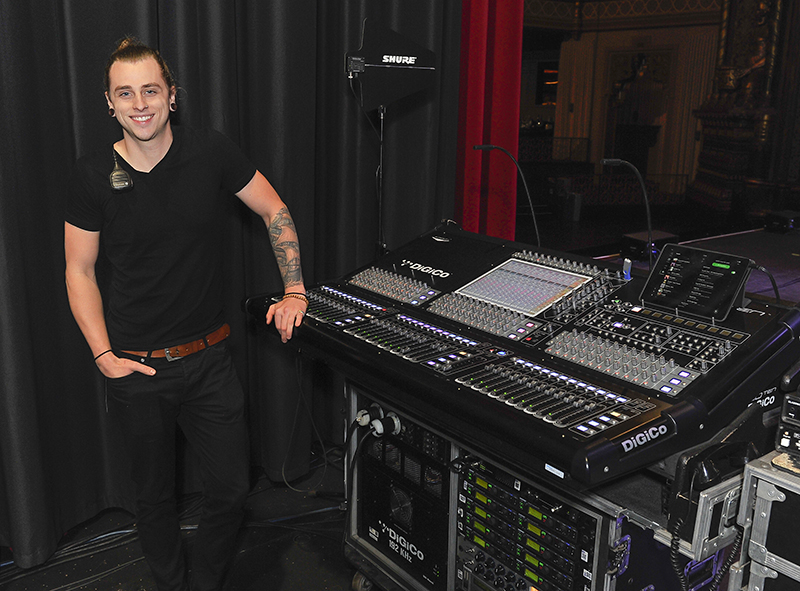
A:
(283, 236)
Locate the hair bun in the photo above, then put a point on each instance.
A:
(127, 42)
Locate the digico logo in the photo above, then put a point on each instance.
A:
(644, 437)
(400, 59)
(424, 269)
(399, 544)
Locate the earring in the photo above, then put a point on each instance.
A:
(111, 112)
(173, 107)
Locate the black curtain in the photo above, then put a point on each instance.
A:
(269, 74)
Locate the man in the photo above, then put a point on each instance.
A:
(157, 333)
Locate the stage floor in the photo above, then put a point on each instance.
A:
(292, 539)
(777, 253)
(599, 233)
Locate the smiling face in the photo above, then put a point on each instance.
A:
(140, 98)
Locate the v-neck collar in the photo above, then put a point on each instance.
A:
(177, 135)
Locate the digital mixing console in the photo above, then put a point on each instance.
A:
(555, 364)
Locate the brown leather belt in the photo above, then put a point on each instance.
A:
(178, 351)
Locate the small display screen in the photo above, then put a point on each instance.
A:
(697, 282)
(524, 287)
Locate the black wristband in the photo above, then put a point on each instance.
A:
(101, 354)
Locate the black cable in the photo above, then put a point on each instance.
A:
(730, 559)
(348, 493)
(772, 280)
(74, 585)
(130, 537)
(674, 553)
(619, 162)
(75, 553)
(524, 183)
(361, 108)
(379, 170)
(79, 549)
(674, 547)
(352, 466)
(310, 527)
(782, 286)
(332, 455)
(351, 430)
(301, 400)
(107, 541)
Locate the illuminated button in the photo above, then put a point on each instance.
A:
(666, 389)
(675, 382)
(621, 400)
(684, 374)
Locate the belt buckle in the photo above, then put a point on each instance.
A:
(170, 357)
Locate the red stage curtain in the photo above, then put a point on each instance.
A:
(489, 97)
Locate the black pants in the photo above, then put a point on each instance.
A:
(203, 396)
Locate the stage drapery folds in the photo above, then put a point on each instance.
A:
(489, 103)
(271, 76)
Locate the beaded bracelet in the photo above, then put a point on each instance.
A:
(299, 296)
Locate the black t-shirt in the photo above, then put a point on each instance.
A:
(163, 238)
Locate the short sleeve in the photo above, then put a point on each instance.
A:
(83, 208)
(237, 169)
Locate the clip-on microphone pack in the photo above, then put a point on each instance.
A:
(119, 178)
